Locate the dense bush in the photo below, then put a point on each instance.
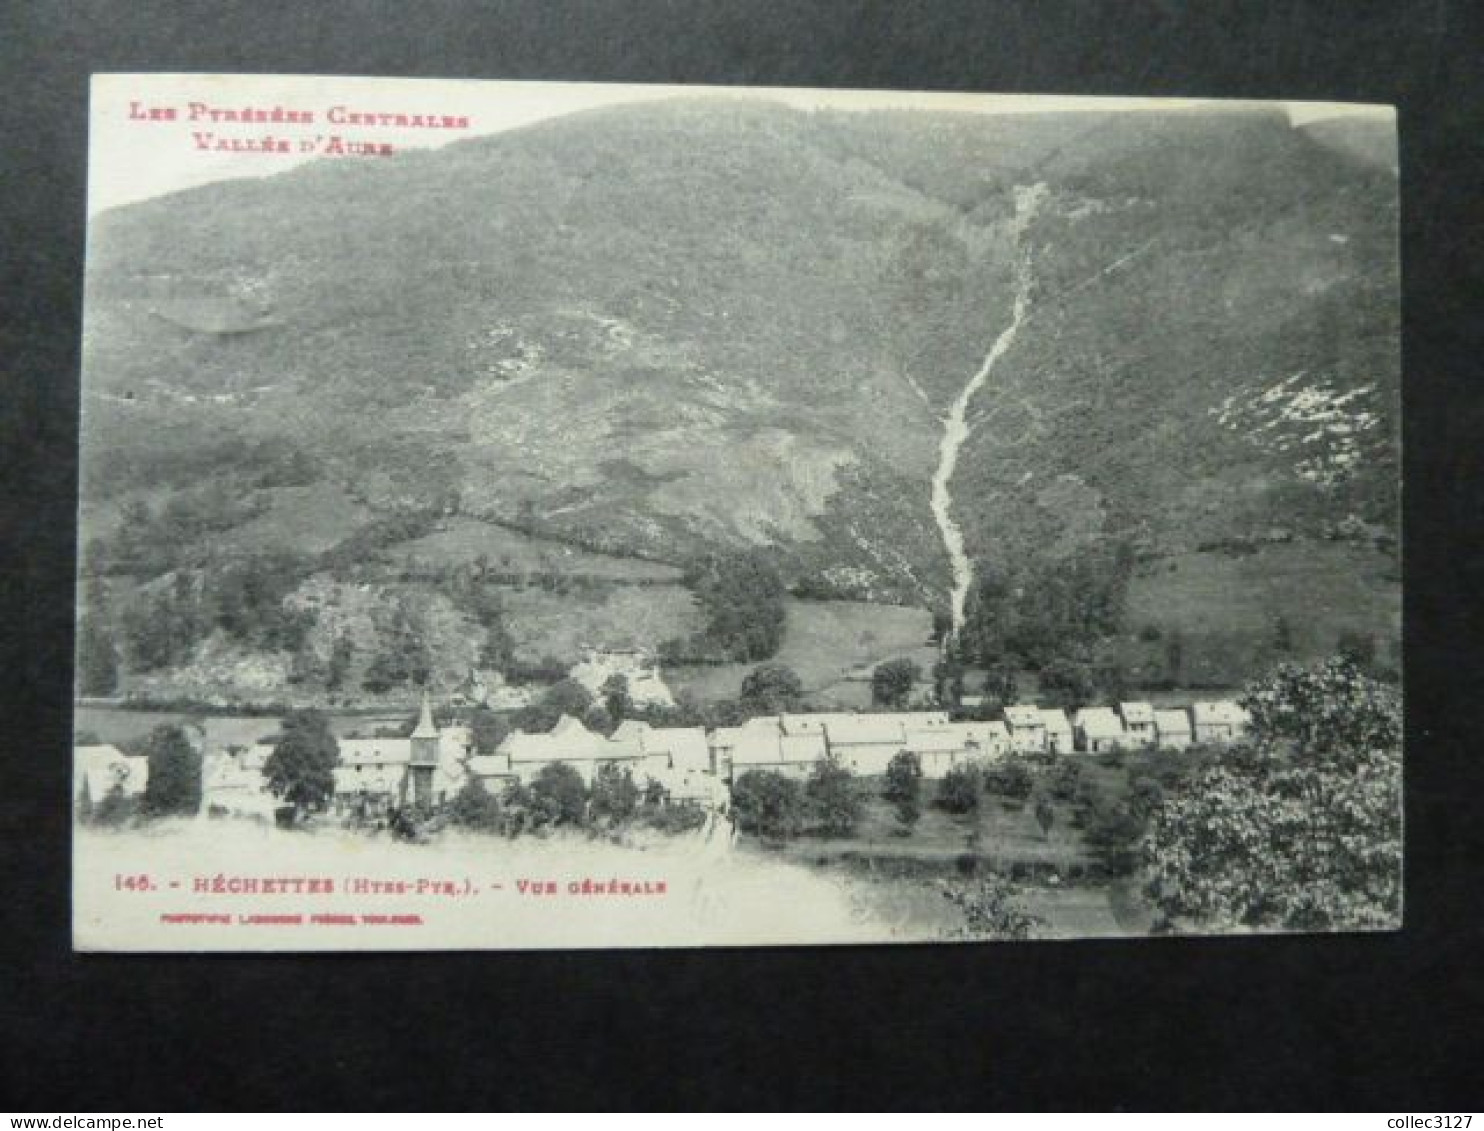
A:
(615, 797)
(893, 681)
(558, 796)
(475, 808)
(989, 909)
(903, 777)
(1009, 777)
(833, 799)
(673, 820)
(768, 804)
(771, 688)
(960, 789)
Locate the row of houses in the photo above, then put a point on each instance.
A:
(686, 764)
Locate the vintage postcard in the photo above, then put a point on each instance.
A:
(523, 515)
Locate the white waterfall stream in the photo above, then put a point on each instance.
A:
(956, 428)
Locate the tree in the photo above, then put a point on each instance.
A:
(558, 796)
(341, 656)
(568, 697)
(903, 777)
(1066, 683)
(616, 698)
(615, 797)
(1282, 636)
(771, 688)
(174, 785)
(474, 807)
(1000, 688)
(97, 657)
(892, 682)
(1045, 816)
(768, 804)
(487, 730)
(832, 795)
(1301, 831)
(301, 768)
(741, 596)
(1112, 830)
(1174, 657)
(960, 789)
(948, 680)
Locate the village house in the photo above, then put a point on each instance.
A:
(1219, 721)
(568, 743)
(866, 744)
(677, 759)
(942, 748)
(1098, 730)
(639, 668)
(726, 741)
(485, 687)
(101, 769)
(1138, 723)
(1058, 729)
(761, 744)
(232, 783)
(1027, 728)
(1172, 729)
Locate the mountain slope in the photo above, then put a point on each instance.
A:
(659, 330)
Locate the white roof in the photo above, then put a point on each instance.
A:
(1054, 719)
(631, 730)
(866, 730)
(1172, 722)
(686, 746)
(1023, 715)
(934, 740)
(567, 741)
(1219, 711)
(489, 766)
(1099, 722)
(808, 748)
(812, 723)
(759, 747)
(375, 751)
(1140, 713)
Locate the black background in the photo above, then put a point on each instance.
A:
(1386, 1022)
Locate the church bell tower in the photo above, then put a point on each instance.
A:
(424, 760)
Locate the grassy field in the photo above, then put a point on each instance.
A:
(1225, 608)
(307, 520)
(1001, 833)
(1055, 876)
(462, 540)
(114, 724)
(826, 642)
